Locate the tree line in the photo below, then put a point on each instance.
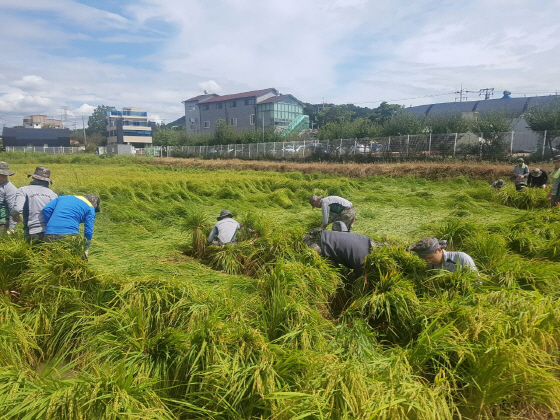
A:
(347, 121)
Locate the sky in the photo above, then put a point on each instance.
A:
(154, 54)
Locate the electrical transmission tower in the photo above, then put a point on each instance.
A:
(462, 94)
(65, 109)
(488, 93)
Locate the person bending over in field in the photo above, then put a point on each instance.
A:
(7, 199)
(225, 230)
(520, 171)
(498, 184)
(334, 209)
(537, 178)
(554, 194)
(30, 201)
(433, 251)
(64, 214)
(342, 248)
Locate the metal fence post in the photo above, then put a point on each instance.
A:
(283, 147)
(303, 151)
(455, 145)
(340, 148)
(389, 145)
(511, 145)
(430, 145)
(543, 143)
(407, 144)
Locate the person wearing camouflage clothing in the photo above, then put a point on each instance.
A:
(30, 201)
(334, 209)
(520, 171)
(7, 199)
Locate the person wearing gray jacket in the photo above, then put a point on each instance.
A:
(521, 172)
(7, 199)
(30, 201)
(432, 250)
(334, 209)
(225, 230)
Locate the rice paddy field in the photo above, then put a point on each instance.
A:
(160, 325)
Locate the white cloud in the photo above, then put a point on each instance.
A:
(340, 50)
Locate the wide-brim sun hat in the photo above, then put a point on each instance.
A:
(5, 169)
(223, 214)
(536, 172)
(42, 173)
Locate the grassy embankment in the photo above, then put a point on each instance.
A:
(259, 330)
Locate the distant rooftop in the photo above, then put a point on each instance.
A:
(218, 98)
(512, 106)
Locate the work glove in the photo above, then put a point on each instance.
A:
(85, 256)
(10, 231)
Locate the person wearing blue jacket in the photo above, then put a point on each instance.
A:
(64, 214)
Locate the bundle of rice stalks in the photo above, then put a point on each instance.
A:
(15, 256)
(18, 345)
(527, 199)
(195, 223)
(455, 231)
(487, 250)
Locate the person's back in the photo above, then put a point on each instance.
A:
(537, 178)
(225, 230)
(64, 214)
(346, 248)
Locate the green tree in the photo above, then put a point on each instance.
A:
(97, 122)
(384, 112)
(545, 117)
(443, 124)
(166, 137)
(403, 123)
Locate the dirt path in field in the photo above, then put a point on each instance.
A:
(430, 170)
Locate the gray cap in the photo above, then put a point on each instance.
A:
(224, 213)
(5, 169)
(94, 200)
(427, 246)
(520, 160)
(339, 227)
(41, 173)
(536, 172)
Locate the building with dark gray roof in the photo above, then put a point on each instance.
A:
(37, 137)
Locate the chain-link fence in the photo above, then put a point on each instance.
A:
(48, 150)
(452, 145)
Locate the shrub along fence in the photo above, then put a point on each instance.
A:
(452, 145)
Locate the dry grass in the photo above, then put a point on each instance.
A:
(429, 170)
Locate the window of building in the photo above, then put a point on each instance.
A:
(252, 119)
(248, 102)
(206, 124)
(191, 107)
(205, 107)
(219, 105)
(233, 121)
(233, 104)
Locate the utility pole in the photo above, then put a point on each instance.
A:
(84, 128)
(488, 93)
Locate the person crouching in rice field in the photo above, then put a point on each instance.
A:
(433, 251)
(225, 230)
(342, 248)
(30, 201)
(498, 184)
(554, 194)
(537, 178)
(64, 214)
(334, 209)
(7, 199)
(520, 171)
